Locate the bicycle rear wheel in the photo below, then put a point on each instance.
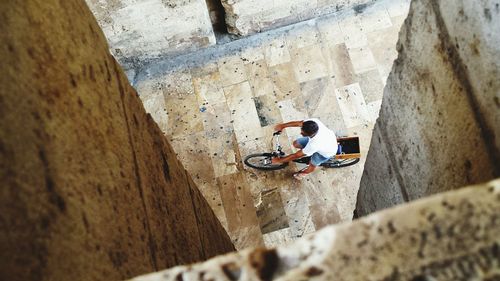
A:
(262, 161)
(339, 163)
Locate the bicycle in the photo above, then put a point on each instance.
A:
(348, 153)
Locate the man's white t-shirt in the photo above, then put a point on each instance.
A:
(324, 142)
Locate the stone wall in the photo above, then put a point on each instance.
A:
(90, 188)
(139, 31)
(450, 236)
(250, 16)
(438, 125)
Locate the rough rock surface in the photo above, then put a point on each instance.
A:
(90, 188)
(450, 236)
(438, 126)
(244, 17)
(138, 31)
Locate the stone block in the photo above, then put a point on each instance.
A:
(138, 31)
(245, 17)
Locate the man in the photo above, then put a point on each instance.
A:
(318, 141)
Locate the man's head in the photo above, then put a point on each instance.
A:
(309, 128)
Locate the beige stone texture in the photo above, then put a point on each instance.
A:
(90, 188)
(438, 124)
(478, 48)
(450, 236)
(244, 17)
(138, 31)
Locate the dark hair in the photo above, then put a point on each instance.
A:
(309, 127)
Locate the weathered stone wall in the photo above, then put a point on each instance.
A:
(438, 126)
(138, 31)
(90, 188)
(450, 236)
(245, 17)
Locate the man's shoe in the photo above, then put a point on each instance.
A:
(299, 176)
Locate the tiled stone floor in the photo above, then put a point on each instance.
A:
(333, 68)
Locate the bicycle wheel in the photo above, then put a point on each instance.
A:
(262, 161)
(339, 163)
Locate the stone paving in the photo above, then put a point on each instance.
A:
(216, 112)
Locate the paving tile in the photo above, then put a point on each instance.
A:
(257, 70)
(267, 110)
(330, 31)
(252, 54)
(270, 211)
(156, 107)
(398, 21)
(223, 154)
(303, 35)
(262, 86)
(374, 109)
(296, 207)
(375, 17)
(183, 115)
(243, 112)
(313, 90)
(240, 211)
(329, 111)
(324, 214)
(204, 69)
(362, 59)
(208, 88)
(247, 236)
(154, 104)
(210, 191)
(352, 29)
(193, 150)
(284, 81)
(178, 84)
(232, 70)
(308, 63)
(276, 52)
(371, 85)
(292, 111)
(383, 47)
(316, 188)
(397, 7)
(352, 105)
(341, 65)
(344, 182)
(217, 120)
(278, 238)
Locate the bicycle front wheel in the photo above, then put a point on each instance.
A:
(339, 163)
(262, 161)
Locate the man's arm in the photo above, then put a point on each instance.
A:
(288, 158)
(282, 126)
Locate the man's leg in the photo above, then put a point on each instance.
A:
(316, 160)
(300, 142)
